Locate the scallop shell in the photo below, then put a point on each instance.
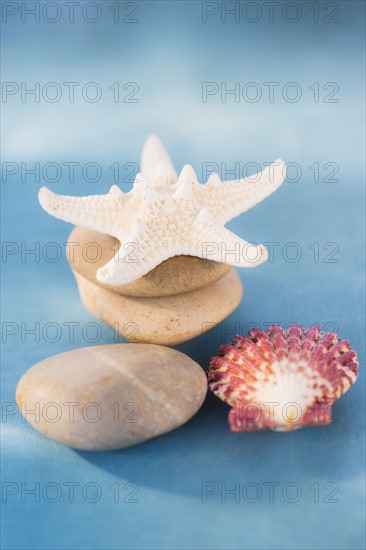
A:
(282, 379)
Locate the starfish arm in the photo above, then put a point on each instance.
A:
(226, 200)
(103, 213)
(155, 161)
(138, 255)
(198, 236)
(221, 245)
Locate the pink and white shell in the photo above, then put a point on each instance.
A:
(282, 379)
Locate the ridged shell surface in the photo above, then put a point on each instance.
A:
(282, 379)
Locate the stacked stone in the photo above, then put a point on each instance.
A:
(180, 299)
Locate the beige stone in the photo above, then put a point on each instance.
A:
(87, 251)
(112, 396)
(168, 320)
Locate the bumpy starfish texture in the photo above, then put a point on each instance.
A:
(165, 215)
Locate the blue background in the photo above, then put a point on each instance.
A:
(169, 52)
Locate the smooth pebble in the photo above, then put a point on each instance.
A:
(112, 396)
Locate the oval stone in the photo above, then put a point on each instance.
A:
(87, 251)
(168, 320)
(112, 396)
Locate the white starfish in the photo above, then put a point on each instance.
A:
(165, 215)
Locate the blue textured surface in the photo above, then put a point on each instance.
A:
(324, 466)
